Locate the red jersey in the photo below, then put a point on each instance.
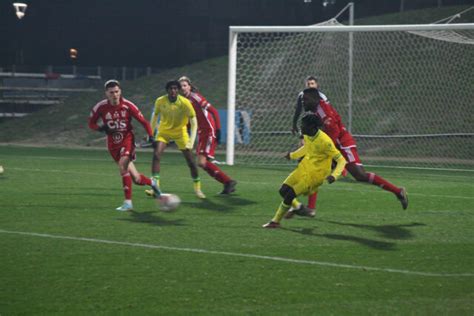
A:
(207, 115)
(333, 125)
(119, 120)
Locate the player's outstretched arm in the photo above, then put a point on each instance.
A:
(192, 137)
(340, 164)
(140, 118)
(297, 154)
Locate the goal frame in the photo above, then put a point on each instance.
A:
(232, 66)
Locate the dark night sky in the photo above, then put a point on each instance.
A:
(156, 33)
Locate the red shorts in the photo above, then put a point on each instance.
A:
(119, 148)
(206, 144)
(351, 155)
(348, 148)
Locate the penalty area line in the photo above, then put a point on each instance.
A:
(236, 254)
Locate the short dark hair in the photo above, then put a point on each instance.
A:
(111, 83)
(313, 93)
(311, 78)
(311, 119)
(171, 83)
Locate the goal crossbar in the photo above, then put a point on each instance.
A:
(354, 28)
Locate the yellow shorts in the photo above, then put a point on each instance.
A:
(304, 182)
(181, 139)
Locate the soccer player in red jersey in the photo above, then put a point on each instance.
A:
(208, 133)
(116, 114)
(335, 129)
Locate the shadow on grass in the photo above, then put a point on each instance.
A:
(399, 231)
(375, 244)
(226, 203)
(150, 218)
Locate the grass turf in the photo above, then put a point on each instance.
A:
(362, 254)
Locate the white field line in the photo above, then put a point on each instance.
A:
(246, 182)
(245, 255)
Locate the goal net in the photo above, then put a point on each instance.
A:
(406, 92)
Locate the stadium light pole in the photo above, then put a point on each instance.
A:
(20, 9)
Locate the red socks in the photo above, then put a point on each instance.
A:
(127, 185)
(312, 200)
(144, 180)
(384, 184)
(215, 172)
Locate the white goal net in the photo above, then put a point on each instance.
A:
(405, 92)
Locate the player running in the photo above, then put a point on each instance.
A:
(310, 82)
(208, 134)
(318, 152)
(175, 112)
(116, 114)
(344, 141)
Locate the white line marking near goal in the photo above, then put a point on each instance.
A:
(245, 255)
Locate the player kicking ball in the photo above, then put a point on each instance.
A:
(116, 114)
(319, 152)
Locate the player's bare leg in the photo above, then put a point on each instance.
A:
(155, 166)
(194, 173)
(215, 172)
(359, 173)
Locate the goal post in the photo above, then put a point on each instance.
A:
(411, 89)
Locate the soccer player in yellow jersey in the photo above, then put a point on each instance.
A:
(175, 111)
(319, 152)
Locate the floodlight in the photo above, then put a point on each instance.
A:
(20, 9)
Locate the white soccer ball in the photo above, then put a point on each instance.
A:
(1, 170)
(169, 202)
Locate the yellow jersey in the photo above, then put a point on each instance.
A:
(174, 116)
(318, 152)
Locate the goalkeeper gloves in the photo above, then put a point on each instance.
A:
(218, 136)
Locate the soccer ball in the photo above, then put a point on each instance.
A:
(169, 202)
(1, 170)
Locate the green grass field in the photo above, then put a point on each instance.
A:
(65, 250)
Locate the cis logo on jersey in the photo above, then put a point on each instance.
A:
(117, 124)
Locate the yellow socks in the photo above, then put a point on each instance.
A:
(197, 184)
(281, 211)
(156, 177)
(295, 204)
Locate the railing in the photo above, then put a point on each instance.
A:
(72, 71)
